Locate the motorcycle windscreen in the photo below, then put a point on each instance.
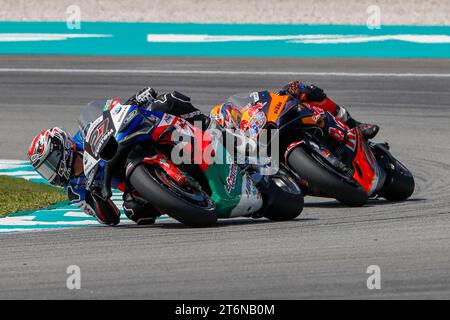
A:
(89, 113)
(242, 100)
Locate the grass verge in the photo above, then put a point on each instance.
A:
(17, 194)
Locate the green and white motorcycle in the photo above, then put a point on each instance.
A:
(181, 170)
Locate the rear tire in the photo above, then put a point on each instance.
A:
(284, 198)
(327, 182)
(169, 202)
(401, 184)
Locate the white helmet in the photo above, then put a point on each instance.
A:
(52, 154)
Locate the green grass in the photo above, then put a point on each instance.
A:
(17, 194)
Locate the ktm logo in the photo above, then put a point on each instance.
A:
(277, 108)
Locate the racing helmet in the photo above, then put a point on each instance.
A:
(226, 115)
(52, 154)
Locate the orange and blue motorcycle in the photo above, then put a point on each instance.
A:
(327, 158)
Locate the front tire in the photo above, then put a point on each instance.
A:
(322, 179)
(194, 211)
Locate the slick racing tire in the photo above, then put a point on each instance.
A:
(400, 185)
(284, 198)
(319, 177)
(191, 206)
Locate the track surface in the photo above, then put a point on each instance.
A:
(322, 255)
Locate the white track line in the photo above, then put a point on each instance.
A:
(225, 72)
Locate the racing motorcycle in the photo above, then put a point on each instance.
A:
(327, 158)
(134, 148)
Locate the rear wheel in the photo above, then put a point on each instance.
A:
(320, 178)
(400, 185)
(284, 199)
(188, 204)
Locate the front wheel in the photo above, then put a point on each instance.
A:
(322, 179)
(188, 204)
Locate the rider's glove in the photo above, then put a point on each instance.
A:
(304, 92)
(314, 93)
(143, 97)
(146, 95)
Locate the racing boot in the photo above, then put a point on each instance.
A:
(368, 130)
(138, 211)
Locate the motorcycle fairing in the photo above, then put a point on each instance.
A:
(231, 189)
(365, 168)
(266, 110)
(367, 171)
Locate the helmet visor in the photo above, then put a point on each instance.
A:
(49, 168)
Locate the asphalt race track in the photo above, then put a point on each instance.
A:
(323, 254)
